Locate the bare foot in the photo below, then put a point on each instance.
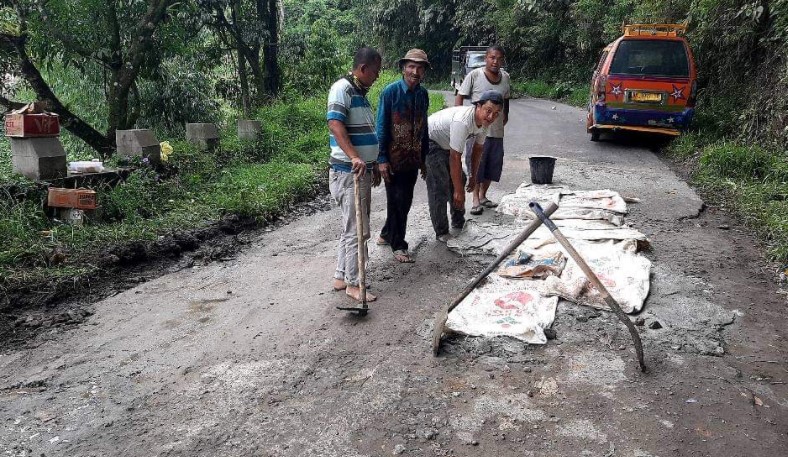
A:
(355, 293)
(338, 284)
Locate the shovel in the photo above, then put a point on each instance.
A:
(443, 314)
(544, 216)
(362, 261)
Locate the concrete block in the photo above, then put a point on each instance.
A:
(38, 158)
(138, 143)
(249, 130)
(203, 134)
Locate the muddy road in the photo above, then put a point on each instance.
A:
(249, 356)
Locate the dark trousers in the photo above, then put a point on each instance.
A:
(440, 191)
(399, 197)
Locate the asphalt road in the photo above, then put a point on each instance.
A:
(250, 357)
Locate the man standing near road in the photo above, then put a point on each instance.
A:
(354, 150)
(449, 129)
(403, 140)
(489, 77)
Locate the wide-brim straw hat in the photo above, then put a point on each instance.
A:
(415, 55)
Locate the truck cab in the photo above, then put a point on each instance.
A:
(464, 60)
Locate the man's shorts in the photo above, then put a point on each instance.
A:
(491, 164)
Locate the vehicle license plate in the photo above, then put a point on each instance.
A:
(646, 97)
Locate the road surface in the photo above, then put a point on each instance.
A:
(250, 357)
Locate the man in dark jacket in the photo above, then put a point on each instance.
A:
(403, 139)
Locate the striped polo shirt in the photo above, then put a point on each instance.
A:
(348, 104)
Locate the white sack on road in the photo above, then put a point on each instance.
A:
(624, 273)
(503, 307)
(593, 221)
(517, 206)
(594, 199)
(603, 204)
(491, 239)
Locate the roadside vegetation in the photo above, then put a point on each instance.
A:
(246, 182)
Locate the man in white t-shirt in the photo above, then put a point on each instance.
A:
(489, 77)
(449, 129)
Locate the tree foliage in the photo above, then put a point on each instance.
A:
(145, 59)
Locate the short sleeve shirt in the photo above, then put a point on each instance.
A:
(476, 82)
(451, 127)
(347, 104)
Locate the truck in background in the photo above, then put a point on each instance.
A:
(463, 61)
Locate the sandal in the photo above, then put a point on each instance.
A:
(381, 241)
(402, 256)
(476, 210)
(487, 203)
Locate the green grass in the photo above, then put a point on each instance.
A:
(194, 189)
(748, 179)
(5, 160)
(567, 92)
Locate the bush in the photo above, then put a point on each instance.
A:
(260, 190)
(741, 163)
(572, 93)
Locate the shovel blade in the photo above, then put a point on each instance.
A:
(362, 311)
(437, 329)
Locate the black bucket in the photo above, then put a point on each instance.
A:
(542, 169)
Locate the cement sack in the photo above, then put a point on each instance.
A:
(598, 199)
(594, 199)
(486, 238)
(517, 206)
(623, 272)
(605, 205)
(502, 307)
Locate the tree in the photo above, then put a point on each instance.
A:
(120, 37)
(252, 28)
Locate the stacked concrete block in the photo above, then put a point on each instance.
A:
(203, 134)
(38, 158)
(138, 143)
(249, 130)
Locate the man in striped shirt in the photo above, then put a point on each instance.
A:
(354, 150)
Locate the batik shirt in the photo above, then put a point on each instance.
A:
(403, 134)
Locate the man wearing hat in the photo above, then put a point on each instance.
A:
(403, 139)
(449, 129)
(489, 77)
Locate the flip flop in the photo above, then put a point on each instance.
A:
(487, 203)
(476, 210)
(402, 256)
(381, 242)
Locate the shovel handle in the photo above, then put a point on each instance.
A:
(592, 277)
(362, 272)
